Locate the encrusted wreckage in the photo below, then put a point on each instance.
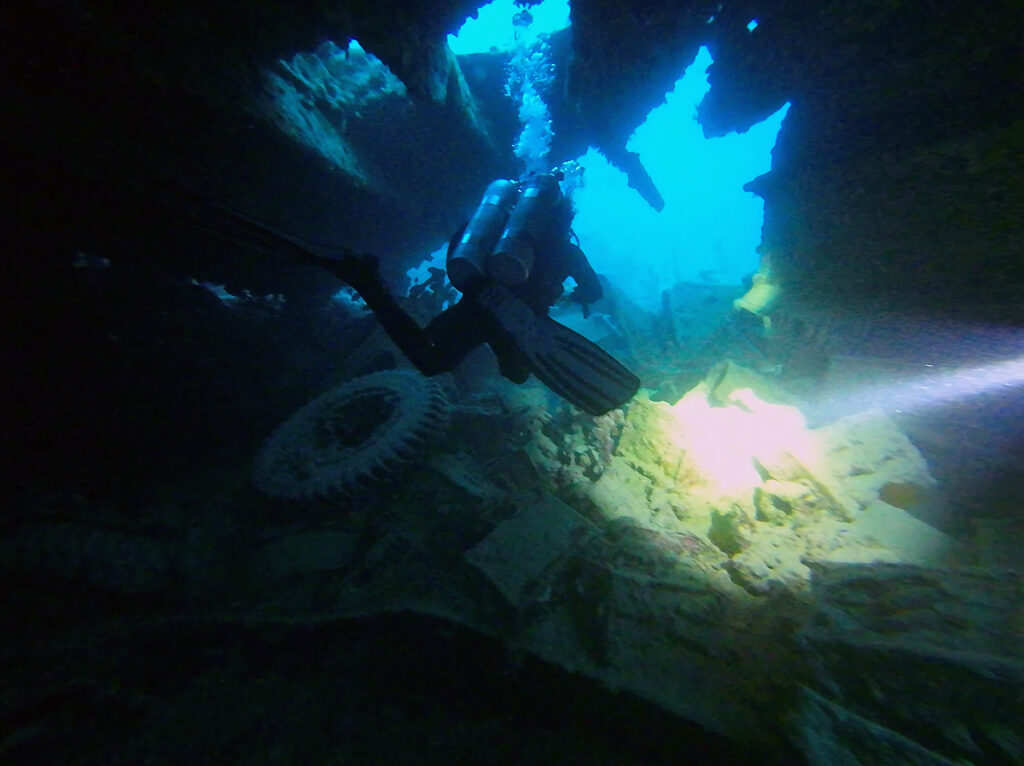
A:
(715, 556)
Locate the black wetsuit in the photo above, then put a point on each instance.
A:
(445, 341)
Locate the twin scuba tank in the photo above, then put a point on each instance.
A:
(502, 238)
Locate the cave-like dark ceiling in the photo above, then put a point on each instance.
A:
(103, 97)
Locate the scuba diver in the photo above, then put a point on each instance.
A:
(509, 261)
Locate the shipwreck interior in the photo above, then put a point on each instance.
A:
(238, 527)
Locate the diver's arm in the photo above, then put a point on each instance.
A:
(588, 286)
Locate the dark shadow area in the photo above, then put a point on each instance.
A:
(400, 689)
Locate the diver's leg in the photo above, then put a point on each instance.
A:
(435, 349)
(511, 362)
(361, 273)
(458, 330)
(454, 333)
(358, 270)
(404, 331)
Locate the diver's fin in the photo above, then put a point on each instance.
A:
(582, 372)
(576, 369)
(224, 222)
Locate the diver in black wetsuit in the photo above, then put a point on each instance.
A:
(509, 261)
(449, 337)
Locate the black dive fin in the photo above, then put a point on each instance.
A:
(580, 371)
(576, 369)
(223, 222)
